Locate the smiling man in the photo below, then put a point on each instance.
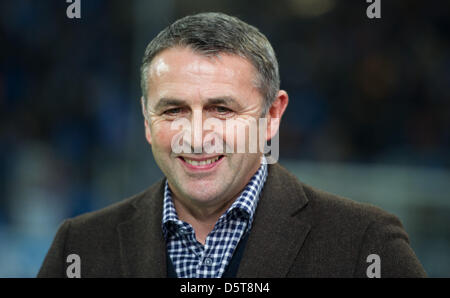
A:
(224, 209)
(188, 85)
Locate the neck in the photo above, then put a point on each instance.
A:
(201, 217)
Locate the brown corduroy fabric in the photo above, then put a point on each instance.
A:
(298, 231)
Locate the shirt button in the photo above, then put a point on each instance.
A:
(208, 261)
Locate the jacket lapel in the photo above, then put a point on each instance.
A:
(278, 231)
(276, 237)
(142, 244)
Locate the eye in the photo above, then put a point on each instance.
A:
(173, 112)
(222, 110)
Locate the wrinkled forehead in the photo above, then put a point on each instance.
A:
(183, 61)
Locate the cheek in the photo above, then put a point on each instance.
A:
(165, 138)
(243, 134)
(162, 135)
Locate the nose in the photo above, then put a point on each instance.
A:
(197, 130)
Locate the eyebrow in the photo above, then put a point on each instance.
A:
(223, 100)
(166, 102)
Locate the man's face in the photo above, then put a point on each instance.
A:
(186, 85)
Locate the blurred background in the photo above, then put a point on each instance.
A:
(368, 118)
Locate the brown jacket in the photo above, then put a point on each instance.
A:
(298, 231)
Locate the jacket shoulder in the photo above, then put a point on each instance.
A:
(325, 205)
(332, 206)
(117, 212)
(344, 233)
(94, 237)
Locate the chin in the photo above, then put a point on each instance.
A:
(203, 196)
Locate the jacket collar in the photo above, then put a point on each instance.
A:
(142, 244)
(278, 231)
(275, 239)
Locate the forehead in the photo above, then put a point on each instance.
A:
(181, 67)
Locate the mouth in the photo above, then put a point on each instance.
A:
(201, 164)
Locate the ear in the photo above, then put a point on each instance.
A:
(275, 113)
(148, 134)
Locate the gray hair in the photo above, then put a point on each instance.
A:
(213, 33)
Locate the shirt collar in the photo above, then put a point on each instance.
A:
(243, 207)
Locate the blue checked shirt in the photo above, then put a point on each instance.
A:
(189, 257)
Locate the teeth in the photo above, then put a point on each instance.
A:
(201, 163)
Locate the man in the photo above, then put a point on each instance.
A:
(221, 211)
